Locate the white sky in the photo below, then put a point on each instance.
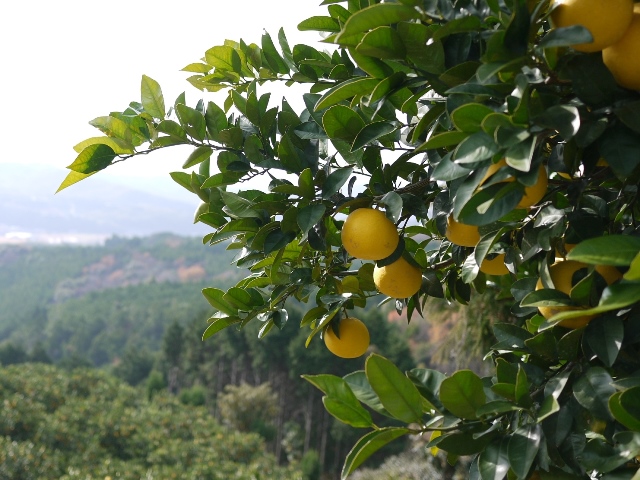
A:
(69, 61)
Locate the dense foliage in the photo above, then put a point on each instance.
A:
(86, 424)
(474, 113)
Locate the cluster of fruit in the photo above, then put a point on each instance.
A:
(615, 28)
(367, 234)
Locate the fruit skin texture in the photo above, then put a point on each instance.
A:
(561, 274)
(399, 279)
(532, 194)
(495, 266)
(462, 234)
(368, 234)
(354, 338)
(623, 58)
(607, 20)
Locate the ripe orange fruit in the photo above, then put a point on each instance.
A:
(532, 194)
(622, 58)
(561, 275)
(399, 279)
(607, 20)
(494, 266)
(354, 338)
(462, 234)
(368, 234)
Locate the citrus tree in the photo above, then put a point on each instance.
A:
(441, 148)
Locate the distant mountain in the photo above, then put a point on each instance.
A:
(95, 206)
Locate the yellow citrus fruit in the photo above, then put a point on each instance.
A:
(399, 279)
(623, 58)
(532, 194)
(494, 266)
(561, 275)
(607, 20)
(353, 341)
(462, 234)
(368, 234)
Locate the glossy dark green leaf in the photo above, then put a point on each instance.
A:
(370, 133)
(382, 42)
(465, 443)
(216, 299)
(347, 413)
(462, 394)
(377, 15)
(523, 448)
(566, 36)
(618, 250)
(335, 181)
(441, 140)
(563, 118)
(605, 336)
(593, 389)
(469, 117)
(219, 324)
(475, 148)
(361, 388)
(346, 90)
(342, 122)
(493, 462)
(619, 147)
(629, 419)
(309, 216)
(368, 445)
(397, 393)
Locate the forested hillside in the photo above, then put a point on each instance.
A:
(96, 301)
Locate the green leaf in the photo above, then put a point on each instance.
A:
(614, 297)
(397, 393)
(342, 122)
(71, 178)
(199, 155)
(340, 400)
(592, 391)
(493, 462)
(382, 42)
(566, 36)
(441, 140)
(335, 181)
(469, 117)
(309, 216)
(563, 118)
(219, 324)
(462, 394)
(238, 206)
(93, 158)
(152, 99)
(275, 61)
(475, 148)
(118, 145)
(523, 448)
(428, 383)
(368, 445)
(319, 24)
(372, 132)
(361, 388)
(216, 299)
(347, 413)
(510, 336)
(346, 90)
(617, 250)
(466, 443)
(376, 16)
(619, 147)
(628, 418)
(225, 58)
(633, 274)
(519, 156)
(604, 336)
